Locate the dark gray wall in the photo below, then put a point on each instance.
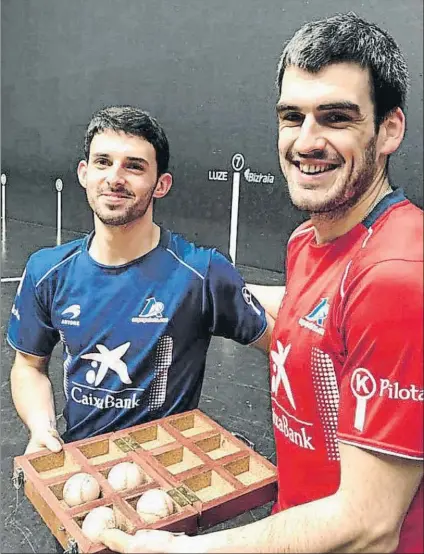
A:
(206, 70)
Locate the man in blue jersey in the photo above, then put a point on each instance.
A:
(134, 305)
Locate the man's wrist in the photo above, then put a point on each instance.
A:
(41, 424)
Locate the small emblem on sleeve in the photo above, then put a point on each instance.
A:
(16, 313)
(363, 386)
(247, 295)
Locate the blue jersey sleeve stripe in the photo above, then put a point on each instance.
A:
(56, 266)
(185, 264)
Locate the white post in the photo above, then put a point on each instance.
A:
(237, 162)
(59, 187)
(234, 216)
(3, 180)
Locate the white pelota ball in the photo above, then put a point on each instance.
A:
(80, 488)
(98, 520)
(153, 505)
(126, 475)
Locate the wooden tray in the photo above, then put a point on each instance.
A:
(210, 475)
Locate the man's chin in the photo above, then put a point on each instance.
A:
(305, 204)
(317, 206)
(120, 219)
(114, 220)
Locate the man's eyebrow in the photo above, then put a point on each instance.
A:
(129, 158)
(136, 159)
(286, 108)
(345, 105)
(100, 154)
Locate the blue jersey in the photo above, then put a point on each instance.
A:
(134, 336)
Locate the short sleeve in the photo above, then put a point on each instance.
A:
(30, 327)
(381, 389)
(233, 312)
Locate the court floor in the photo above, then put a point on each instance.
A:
(235, 393)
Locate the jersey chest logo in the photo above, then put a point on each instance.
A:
(280, 375)
(319, 430)
(71, 314)
(152, 312)
(105, 360)
(314, 321)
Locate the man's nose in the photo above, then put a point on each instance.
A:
(310, 138)
(116, 175)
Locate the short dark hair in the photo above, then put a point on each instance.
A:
(348, 38)
(132, 121)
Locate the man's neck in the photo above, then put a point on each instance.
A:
(330, 226)
(118, 245)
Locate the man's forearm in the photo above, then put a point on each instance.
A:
(270, 296)
(320, 526)
(33, 397)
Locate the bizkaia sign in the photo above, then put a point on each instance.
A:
(364, 386)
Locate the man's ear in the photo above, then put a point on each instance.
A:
(82, 173)
(392, 131)
(163, 185)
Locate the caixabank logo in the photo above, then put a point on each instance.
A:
(365, 386)
(292, 427)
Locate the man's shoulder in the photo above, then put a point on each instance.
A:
(44, 261)
(396, 235)
(391, 255)
(303, 233)
(194, 255)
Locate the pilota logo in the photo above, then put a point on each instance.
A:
(363, 386)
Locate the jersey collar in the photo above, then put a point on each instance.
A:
(394, 197)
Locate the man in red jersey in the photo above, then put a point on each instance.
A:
(347, 349)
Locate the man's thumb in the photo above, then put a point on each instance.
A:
(53, 443)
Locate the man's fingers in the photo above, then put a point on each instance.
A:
(116, 540)
(48, 439)
(53, 443)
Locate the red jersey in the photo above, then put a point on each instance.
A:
(347, 354)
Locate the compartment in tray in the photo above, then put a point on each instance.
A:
(151, 437)
(122, 520)
(190, 424)
(102, 450)
(57, 490)
(54, 464)
(217, 446)
(133, 499)
(105, 470)
(248, 470)
(208, 485)
(178, 460)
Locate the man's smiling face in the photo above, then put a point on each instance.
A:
(327, 142)
(120, 177)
